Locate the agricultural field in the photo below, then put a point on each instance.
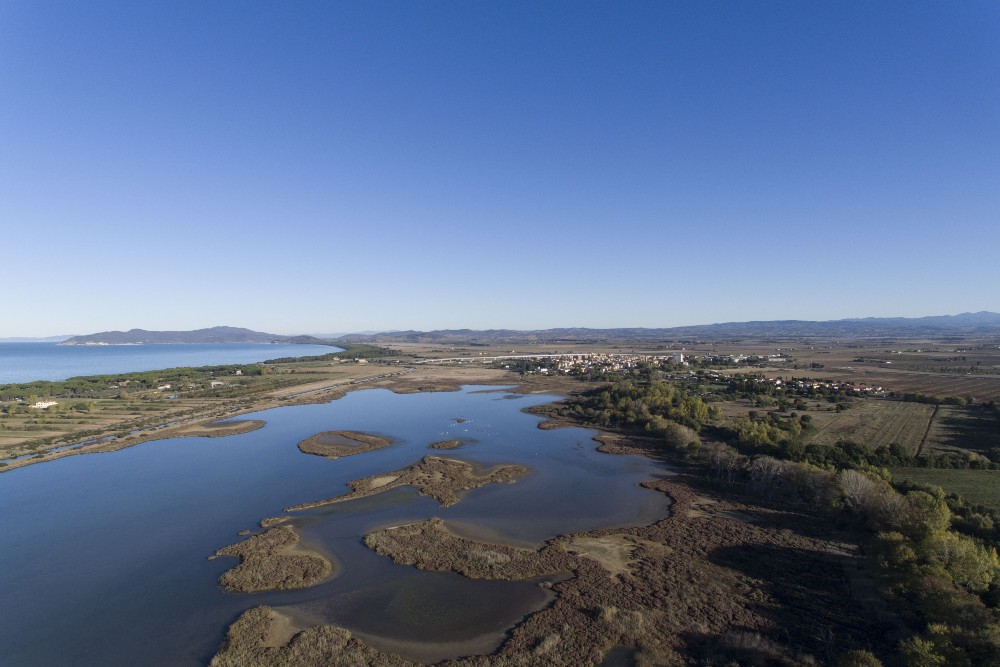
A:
(977, 486)
(876, 423)
(919, 428)
(965, 369)
(957, 429)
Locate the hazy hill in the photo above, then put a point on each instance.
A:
(211, 335)
(984, 322)
(965, 324)
(46, 339)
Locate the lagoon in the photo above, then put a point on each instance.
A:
(105, 555)
(28, 362)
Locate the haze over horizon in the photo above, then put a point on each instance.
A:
(991, 316)
(376, 166)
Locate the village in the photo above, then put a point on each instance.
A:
(678, 367)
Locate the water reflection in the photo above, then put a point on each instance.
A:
(110, 549)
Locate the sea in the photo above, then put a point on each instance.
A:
(28, 362)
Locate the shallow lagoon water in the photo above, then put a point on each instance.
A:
(105, 555)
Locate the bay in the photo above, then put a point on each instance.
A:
(28, 362)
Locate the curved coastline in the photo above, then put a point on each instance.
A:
(110, 438)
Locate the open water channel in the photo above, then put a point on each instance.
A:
(105, 556)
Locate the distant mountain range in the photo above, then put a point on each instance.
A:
(46, 339)
(211, 335)
(981, 323)
(984, 322)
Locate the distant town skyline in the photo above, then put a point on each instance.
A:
(339, 167)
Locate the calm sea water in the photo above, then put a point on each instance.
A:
(27, 362)
(105, 555)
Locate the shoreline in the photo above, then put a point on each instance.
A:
(404, 381)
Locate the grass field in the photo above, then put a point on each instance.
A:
(977, 486)
(874, 423)
(960, 429)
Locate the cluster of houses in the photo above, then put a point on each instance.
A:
(597, 362)
(672, 362)
(608, 362)
(614, 362)
(810, 386)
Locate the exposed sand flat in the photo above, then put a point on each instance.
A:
(383, 480)
(281, 630)
(443, 479)
(615, 553)
(273, 560)
(335, 444)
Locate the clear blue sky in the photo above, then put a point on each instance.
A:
(314, 167)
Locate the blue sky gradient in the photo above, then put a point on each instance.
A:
(316, 167)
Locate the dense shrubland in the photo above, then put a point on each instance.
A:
(937, 553)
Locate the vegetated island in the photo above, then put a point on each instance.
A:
(273, 560)
(335, 444)
(446, 444)
(218, 429)
(429, 545)
(443, 479)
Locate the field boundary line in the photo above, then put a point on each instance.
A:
(927, 431)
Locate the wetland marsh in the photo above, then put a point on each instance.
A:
(111, 551)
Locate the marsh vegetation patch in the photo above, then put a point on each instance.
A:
(273, 560)
(443, 479)
(335, 444)
(429, 545)
(446, 444)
